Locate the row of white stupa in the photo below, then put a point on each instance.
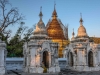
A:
(82, 53)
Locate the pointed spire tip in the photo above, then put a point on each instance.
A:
(54, 14)
(73, 32)
(54, 5)
(81, 15)
(40, 14)
(41, 8)
(81, 20)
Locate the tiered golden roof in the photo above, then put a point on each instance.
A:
(96, 39)
(56, 32)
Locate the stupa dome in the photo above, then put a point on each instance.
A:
(81, 30)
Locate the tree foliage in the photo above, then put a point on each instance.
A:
(15, 45)
(10, 16)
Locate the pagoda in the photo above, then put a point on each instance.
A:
(82, 53)
(95, 39)
(40, 50)
(58, 32)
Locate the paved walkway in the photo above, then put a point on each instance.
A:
(61, 73)
(80, 73)
(39, 74)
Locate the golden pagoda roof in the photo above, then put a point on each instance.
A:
(96, 39)
(58, 32)
(55, 30)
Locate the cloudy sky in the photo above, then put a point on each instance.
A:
(68, 11)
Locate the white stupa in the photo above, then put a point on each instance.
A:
(40, 48)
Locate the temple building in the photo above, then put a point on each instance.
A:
(40, 49)
(82, 53)
(58, 32)
(95, 39)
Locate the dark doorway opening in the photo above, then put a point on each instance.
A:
(46, 59)
(70, 56)
(90, 59)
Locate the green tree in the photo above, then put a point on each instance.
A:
(15, 45)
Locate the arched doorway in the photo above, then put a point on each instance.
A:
(46, 59)
(70, 56)
(90, 59)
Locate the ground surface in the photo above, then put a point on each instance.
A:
(64, 72)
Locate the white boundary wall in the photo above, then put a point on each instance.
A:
(14, 63)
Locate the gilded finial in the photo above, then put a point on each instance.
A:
(81, 15)
(81, 20)
(54, 4)
(73, 33)
(40, 15)
(73, 29)
(41, 8)
(54, 14)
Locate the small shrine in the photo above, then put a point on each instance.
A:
(40, 53)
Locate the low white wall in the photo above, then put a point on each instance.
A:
(14, 63)
(62, 63)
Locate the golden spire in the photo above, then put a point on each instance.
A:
(73, 33)
(81, 20)
(40, 14)
(54, 14)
